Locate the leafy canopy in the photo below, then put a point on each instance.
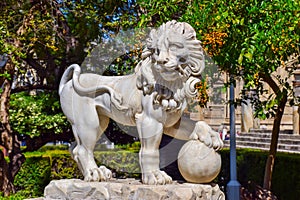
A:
(34, 115)
(251, 39)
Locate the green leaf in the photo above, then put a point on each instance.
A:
(249, 56)
(240, 59)
(291, 28)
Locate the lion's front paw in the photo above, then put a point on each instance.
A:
(205, 134)
(156, 177)
(216, 140)
(202, 133)
(98, 174)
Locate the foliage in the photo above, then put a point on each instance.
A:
(7, 47)
(123, 163)
(50, 35)
(133, 147)
(35, 114)
(33, 176)
(57, 148)
(286, 180)
(92, 22)
(43, 37)
(258, 41)
(42, 167)
(202, 95)
(98, 17)
(35, 34)
(35, 173)
(154, 13)
(118, 55)
(63, 167)
(250, 168)
(250, 39)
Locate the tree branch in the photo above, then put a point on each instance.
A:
(268, 79)
(35, 65)
(33, 87)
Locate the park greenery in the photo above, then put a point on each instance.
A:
(252, 40)
(50, 163)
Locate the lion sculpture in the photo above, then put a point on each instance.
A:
(153, 99)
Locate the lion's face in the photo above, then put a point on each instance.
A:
(170, 55)
(172, 63)
(175, 52)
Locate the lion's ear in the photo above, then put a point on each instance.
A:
(189, 31)
(146, 53)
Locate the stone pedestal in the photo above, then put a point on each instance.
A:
(129, 189)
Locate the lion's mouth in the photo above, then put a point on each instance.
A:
(170, 70)
(167, 68)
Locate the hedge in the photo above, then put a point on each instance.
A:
(42, 167)
(45, 165)
(251, 167)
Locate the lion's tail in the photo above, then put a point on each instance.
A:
(68, 75)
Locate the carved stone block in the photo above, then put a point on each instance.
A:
(129, 189)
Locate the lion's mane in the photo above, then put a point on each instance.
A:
(150, 81)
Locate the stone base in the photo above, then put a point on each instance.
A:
(130, 189)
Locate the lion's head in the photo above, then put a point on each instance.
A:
(173, 59)
(175, 51)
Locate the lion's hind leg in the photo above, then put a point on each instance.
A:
(83, 153)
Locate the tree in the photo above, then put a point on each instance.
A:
(253, 39)
(45, 36)
(27, 38)
(249, 39)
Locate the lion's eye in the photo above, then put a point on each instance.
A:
(176, 45)
(157, 51)
(182, 60)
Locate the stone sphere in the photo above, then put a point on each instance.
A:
(198, 163)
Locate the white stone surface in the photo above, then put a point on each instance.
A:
(153, 99)
(198, 163)
(129, 189)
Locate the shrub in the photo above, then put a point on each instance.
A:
(285, 183)
(33, 115)
(124, 164)
(251, 167)
(64, 167)
(41, 167)
(33, 176)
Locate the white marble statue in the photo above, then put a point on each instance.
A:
(152, 99)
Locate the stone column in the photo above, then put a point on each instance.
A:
(296, 120)
(296, 109)
(247, 116)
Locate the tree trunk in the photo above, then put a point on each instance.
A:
(8, 139)
(274, 141)
(6, 184)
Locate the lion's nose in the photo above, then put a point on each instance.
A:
(162, 58)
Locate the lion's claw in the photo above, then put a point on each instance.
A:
(205, 134)
(217, 142)
(156, 178)
(98, 174)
